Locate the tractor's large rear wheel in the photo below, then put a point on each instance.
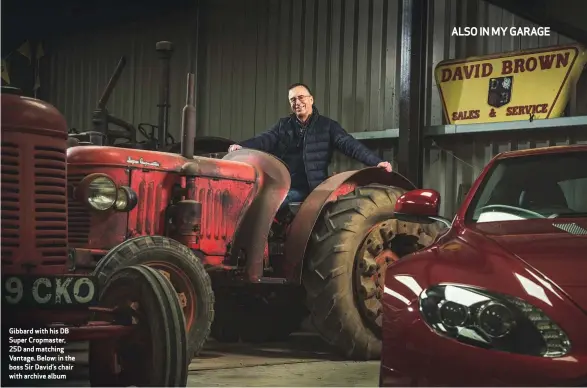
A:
(353, 243)
(181, 267)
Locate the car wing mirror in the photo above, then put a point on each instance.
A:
(420, 206)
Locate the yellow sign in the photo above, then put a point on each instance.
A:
(525, 85)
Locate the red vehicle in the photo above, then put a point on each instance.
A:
(133, 321)
(241, 270)
(500, 298)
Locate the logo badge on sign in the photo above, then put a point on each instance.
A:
(500, 91)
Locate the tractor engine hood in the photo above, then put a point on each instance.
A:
(124, 157)
(159, 161)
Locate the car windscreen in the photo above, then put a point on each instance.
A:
(530, 187)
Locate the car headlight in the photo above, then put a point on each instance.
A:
(492, 321)
(101, 193)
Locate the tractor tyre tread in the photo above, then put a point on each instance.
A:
(169, 336)
(176, 324)
(329, 268)
(130, 253)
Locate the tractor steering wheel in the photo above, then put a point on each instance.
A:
(512, 210)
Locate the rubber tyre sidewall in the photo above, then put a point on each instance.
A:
(328, 274)
(178, 255)
(170, 334)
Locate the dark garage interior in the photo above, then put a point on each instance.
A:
(353, 53)
(153, 238)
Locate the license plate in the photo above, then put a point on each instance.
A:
(50, 291)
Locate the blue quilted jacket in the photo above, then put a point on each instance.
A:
(321, 137)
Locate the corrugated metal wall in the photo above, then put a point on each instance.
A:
(451, 164)
(447, 14)
(80, 66)
(346, 50)
(453, 161)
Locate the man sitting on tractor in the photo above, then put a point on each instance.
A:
(304, 141)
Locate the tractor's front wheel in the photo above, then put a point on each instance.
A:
(181, 267)
(155, 352)
(354, 241)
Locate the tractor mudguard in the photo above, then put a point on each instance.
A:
(301, 228)
(252, 230)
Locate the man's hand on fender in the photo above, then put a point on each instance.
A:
(385, 165)
(234, 147)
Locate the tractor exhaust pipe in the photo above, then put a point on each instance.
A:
(165, 49)
(188, 121)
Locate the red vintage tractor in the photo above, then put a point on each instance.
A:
(133, 321)
(209, 225)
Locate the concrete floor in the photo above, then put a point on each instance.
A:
(304, 361)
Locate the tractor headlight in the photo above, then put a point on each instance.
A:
(101, 193)
(492, 321)
(126, 199)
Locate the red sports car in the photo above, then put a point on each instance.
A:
(500, 298)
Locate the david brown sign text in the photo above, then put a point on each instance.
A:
(525, 85)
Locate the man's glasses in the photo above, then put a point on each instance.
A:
(300, 98)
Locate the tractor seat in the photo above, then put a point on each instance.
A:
(294, 207)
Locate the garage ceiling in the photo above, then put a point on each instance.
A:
(31, 17)
(38, 19)
(566, 17)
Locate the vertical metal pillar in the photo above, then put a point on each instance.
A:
(413, 67)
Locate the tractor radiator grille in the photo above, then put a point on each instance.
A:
(10, 201)
(34, 201)
(79, 217)
(51, 204)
